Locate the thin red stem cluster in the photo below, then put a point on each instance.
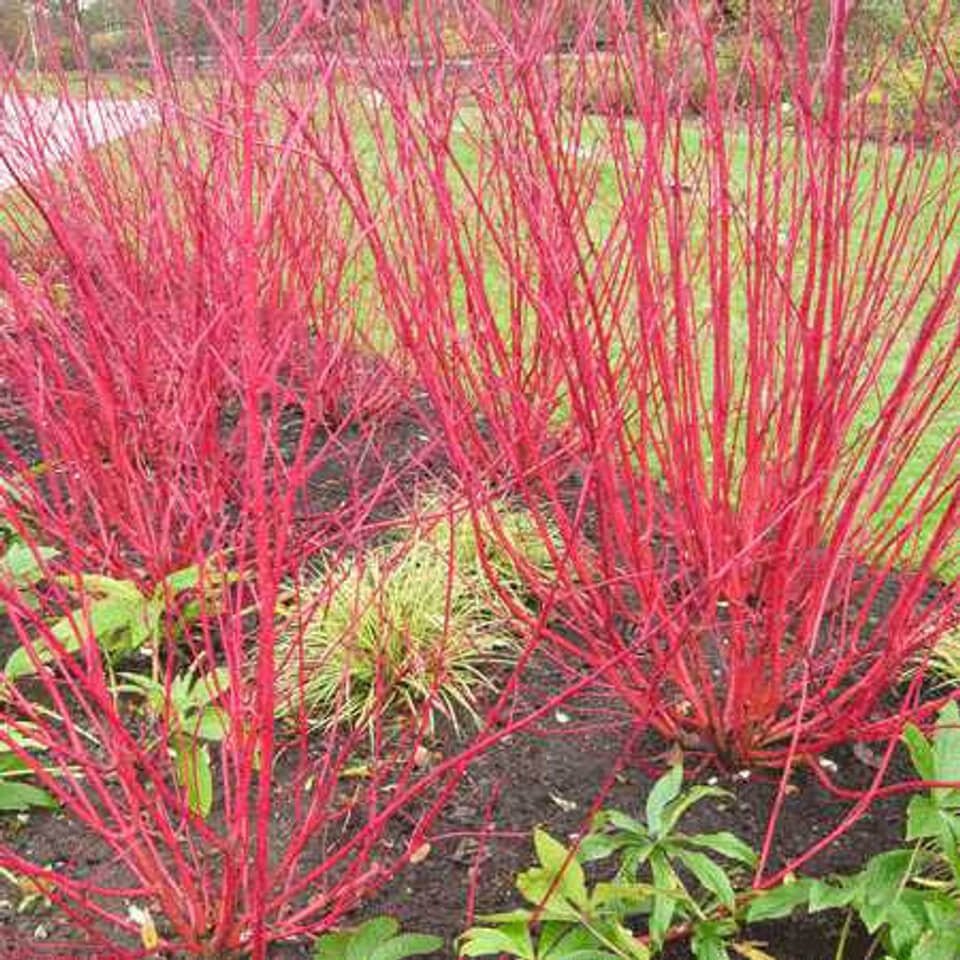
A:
(684, 295)
(715, 353)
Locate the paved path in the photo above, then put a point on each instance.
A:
(49, 130)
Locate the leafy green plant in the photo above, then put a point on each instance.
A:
(377, 939)
(664, 879)
(945, 658)
(15, 794)
(908, 898)
(193, 720)
(119, 615)
(409, 627)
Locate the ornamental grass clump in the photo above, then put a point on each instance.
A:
(409, 630)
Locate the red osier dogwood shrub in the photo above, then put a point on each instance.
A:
(715, 353)
(196, 421)
(706, 350)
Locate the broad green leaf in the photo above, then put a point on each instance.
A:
(215, 683)
(779, 901)
(921, 752)
(23, 796)
(946, 749)
(883, 881)
(708, 941)
(664, 901)
(405, 945)
(369, 936)
(20, 565)
(20, 665)
(195, 774)
(710, 876)
(556, 862)
(632, 894)
(940, 940)
(665, 790)
(512, 939)
(331, 946)
(924, 817)
(214, 724)
(908, 920)
(829, 896)
(180, 580)
(726, 844)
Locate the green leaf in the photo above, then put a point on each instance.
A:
(19, 563)
(941, 938)
(921, 752)
(946, 749)
(508, 916)
(666, 789)
(883, 880)
(677, 808)
(779, 901)
(622, 822)
(924, 817)
(560, 877)
(828, 896)
(20, 665)
(370, 935)
(726, 844)
(331, 946)
(565, 941)
(23, 796)
(710, 875)
(627, 944)
(907, 921)
(664, 901)
(629, 894)
(599, 846)
(512, 939)
(708, 941)
(179, 580)
(214, 724)
(407, 945)
(115, 620)
(195, 774)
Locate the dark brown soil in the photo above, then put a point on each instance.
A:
(552, 776)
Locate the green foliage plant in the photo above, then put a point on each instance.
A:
(119, 615)
(188, 709)
(410, 628)
(907, 898)
(16, 794)
(664, 881)
(376, 939)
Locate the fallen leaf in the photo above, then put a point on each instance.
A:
(421, 853)
(750, 949)
(148, 929)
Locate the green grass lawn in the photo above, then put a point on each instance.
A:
(602, 218)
